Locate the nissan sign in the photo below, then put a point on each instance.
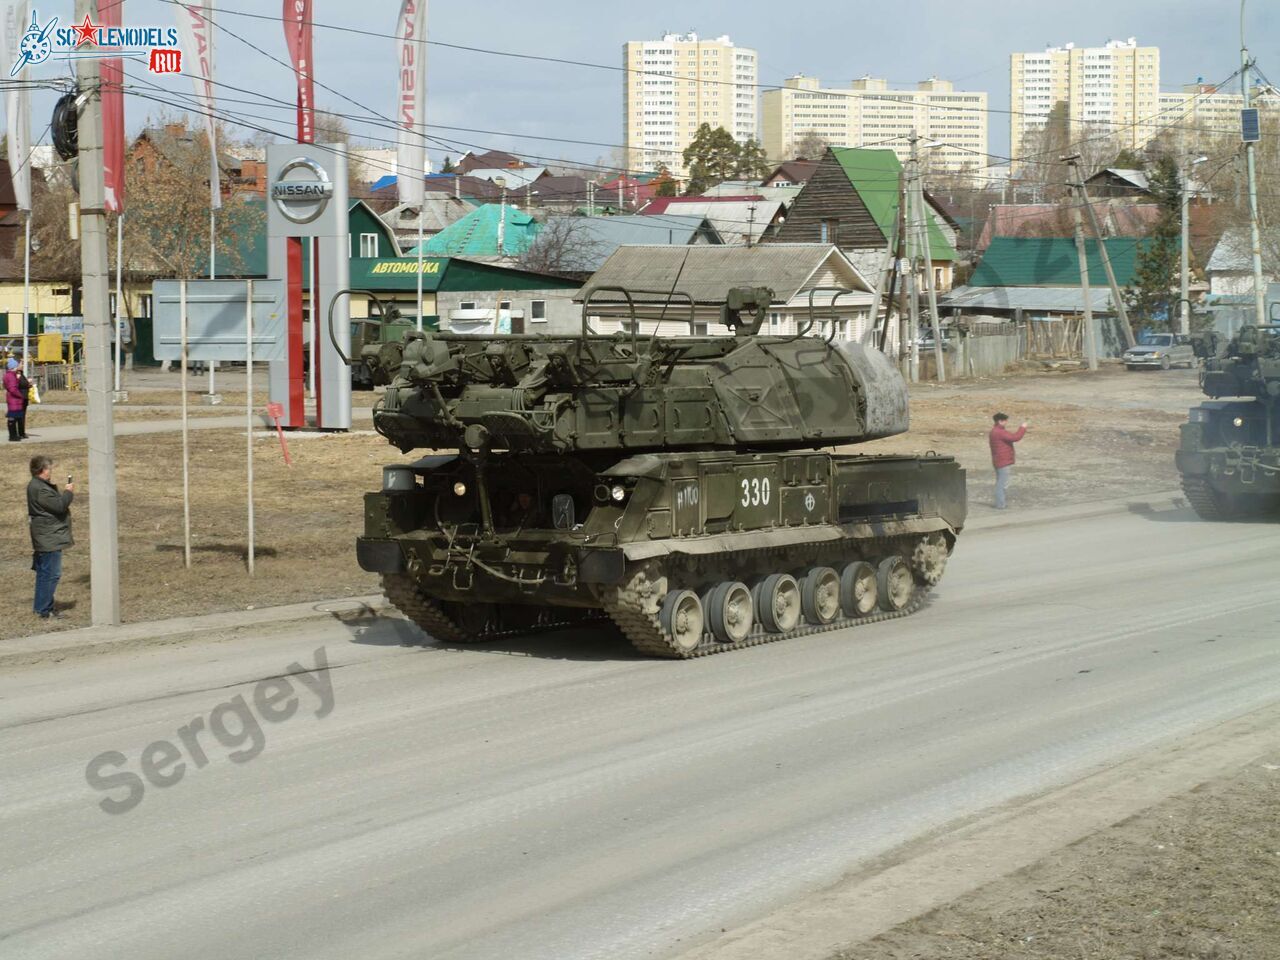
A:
(301, 190)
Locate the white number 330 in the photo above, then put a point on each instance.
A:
(755, 492)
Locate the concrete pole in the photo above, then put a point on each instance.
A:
(26, 298)
(930, 287)
(104, 551)
(1255, 236)
(1105, 256)
(213, 397)
(116, 362)
(1090, 343)
(1184, 286)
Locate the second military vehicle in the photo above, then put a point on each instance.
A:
(688, 488)
(1229, 455)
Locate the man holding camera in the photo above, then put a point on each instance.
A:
(49, 513)
(1002, 455)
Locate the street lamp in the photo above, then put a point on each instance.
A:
(502, 217)
(1184, 304)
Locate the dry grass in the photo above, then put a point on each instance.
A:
(307, 519)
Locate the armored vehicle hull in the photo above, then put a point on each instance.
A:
(686, 488)
(1229, 454)
(1228, 468)
(689, 553)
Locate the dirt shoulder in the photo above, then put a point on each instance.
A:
(1195, 878)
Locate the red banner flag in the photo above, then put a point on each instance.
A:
(113, 116)
(297, 36)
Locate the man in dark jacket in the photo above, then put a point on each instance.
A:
(49, 512)
(1002, 455)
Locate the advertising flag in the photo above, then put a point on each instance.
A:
(195, 34)
(17, 102)
(297, 36)
(411, 106)
(113, 116)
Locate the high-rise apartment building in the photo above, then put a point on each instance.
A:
(1204, 110)
(673, 85)
(1113, 89)
(867, 113)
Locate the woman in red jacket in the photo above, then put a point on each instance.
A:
(1002, 455)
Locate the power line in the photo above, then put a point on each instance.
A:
(543, 58)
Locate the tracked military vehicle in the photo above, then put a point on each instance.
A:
(1229, 455)
(687, 488)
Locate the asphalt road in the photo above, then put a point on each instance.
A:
(560, 799)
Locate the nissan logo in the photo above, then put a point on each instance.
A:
(302, 198)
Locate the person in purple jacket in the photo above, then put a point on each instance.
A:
(14, 399)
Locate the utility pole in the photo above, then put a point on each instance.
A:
(1255, 237)
(104, 556)
(1090, 343)
(1184, 295)
(913, 292)
(1104, 255)
(904, 328)
(922, 228)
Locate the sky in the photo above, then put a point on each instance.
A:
(565, 112)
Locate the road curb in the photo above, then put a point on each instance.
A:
(83, 640)
(1152, 503)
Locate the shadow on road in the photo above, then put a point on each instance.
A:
(595, 641)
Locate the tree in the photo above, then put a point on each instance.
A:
(1128, 159)
(810, 145)
(447, 167)
(666, 184)
(752, 162)
(331, 128)
(1152, 300)
(712, 158)
(565, 245)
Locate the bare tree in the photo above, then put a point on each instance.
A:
(565, 245)
(810, 145)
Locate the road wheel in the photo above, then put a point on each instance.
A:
(682, 619)
(728, 609)
(858, 589)
(820, 595)
(895, 583)
(1165, 363)
(777, 598)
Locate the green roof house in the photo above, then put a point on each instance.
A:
(851, 200)
(476, 234)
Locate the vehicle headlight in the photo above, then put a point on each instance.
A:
(459, 489)
(1238, 422)
(618, 492)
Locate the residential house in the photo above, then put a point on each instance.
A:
(630, 190)
(1116, 218)
(578, 246)
(491, 232)
(1114, 182)
(175, 145)
(487, 160)
(851, 201)
(438, 212)
(795, 272)
(464, 296)
(565, 193)
(1039, 278)
(791, 173)
(737, 220)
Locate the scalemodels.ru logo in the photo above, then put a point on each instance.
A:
(158, 44)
